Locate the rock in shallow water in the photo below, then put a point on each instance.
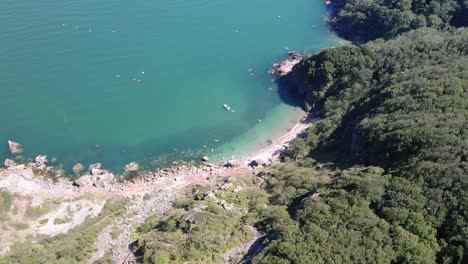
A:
(78, 168)
(9, 163)
(15, 148)
(132, 166)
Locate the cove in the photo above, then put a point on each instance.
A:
(119, 81)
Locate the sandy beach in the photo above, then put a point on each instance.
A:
(272, 151)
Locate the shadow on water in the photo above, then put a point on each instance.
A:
(286, 92)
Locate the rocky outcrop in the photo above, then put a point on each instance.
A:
(131, 167)
(15, 148)
(284, 67)
(40, 162)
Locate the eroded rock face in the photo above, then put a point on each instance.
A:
(132, 166)
(284, 67)
(15, 148)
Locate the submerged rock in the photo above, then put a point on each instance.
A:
(284, 67)
(15, 148)
(78, 168)
(132, 166)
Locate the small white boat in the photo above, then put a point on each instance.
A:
(227, 107)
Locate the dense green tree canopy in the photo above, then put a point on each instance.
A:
(402, 105)
(371, 19)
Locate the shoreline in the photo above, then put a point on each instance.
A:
(263, 155)
(271, 151)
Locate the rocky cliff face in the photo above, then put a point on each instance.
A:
(284, 67)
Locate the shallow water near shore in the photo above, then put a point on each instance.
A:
(120, 81)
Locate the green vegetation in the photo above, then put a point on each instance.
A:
(368, 20)
(381, 177)
(401, 105)
(6, 200)
(61, 221)
(20, 226)
(76, 246)
(37, 211)
(203, 225)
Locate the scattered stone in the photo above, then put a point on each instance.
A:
(78, 168)
(9, 163)
(132, 166)
(284, 67)
(15, 148)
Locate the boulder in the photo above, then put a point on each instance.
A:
(15, 148)
(96, 172)
(226, 205)
(205, 158)
(41, 160)
(78, 168)
(257, 162)
(9, 163)
(132, 166)
(232, 164)
(95, 166)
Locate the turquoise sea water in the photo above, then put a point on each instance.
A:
(117, 81)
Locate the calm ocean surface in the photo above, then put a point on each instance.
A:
(117, 81)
